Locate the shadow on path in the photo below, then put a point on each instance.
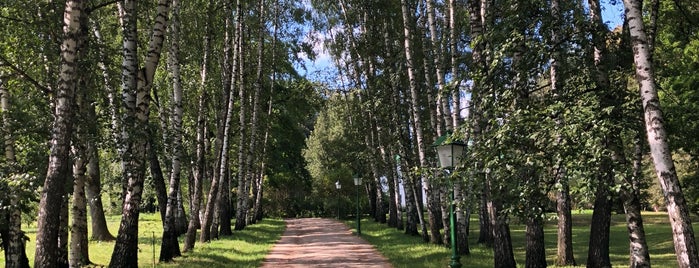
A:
(316, 242)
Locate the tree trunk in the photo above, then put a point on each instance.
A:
(170, 247)
(683, 234)
(93, 185)
(462, 213)
(502, 243)
(598, 249)
(536, 250)
(485, 237)
(444, 206)
(157, 175)
(417, 125)
(200, 166)
(242, 193)
(63, 232)
(638, 248)
(78, 232)
(54, 186)
(564, 246)
(397, 182)
(13, 239)
(136, 100)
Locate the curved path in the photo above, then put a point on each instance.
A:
(316, 242)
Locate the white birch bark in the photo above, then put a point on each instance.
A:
(683, 233)
(136, 87)
(170, 246)
(51, 197)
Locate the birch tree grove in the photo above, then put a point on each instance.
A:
(261, 106)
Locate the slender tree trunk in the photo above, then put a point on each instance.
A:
(136, 88)
(564, 246)
(200, 166)
(63, 231)
(462, 217)
(13, 238)
(417, 123)
(170, 247)
(683, 234)
(221, 143)
(446, 224)
(598, 252)
(53, 190)
(485, 237)
(243, 155)
(253, 156)
(93, 185)
(157, 175)
(461, 191)
(564, 255)
(78, 231)
(639, 256)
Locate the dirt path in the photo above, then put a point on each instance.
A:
(315, 242)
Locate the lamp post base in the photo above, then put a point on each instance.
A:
(455, 262)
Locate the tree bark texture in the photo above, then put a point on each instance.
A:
(170, 247)
(53, 190)
(536, 250)
(683, 233)
(12, 236)
(93, 191)
(598, 248)
(136, 98)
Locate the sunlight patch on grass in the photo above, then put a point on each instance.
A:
(409, 251)
(246, 248)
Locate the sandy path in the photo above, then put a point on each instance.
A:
(315, 242)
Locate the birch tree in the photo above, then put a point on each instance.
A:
(52, 194)
(170, 247)
(136, 85)
(12, 234)
(683, 233)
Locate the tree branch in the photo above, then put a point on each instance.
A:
(101, 5)
(24, 74)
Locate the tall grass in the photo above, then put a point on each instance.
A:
(409, 251)
(246, 248)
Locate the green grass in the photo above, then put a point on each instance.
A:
(246, 248)
(410, 251)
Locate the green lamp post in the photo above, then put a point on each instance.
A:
(357, 183)
(450, 155)
(338, 186)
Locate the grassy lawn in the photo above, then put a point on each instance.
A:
(246, 248)
(407, 251)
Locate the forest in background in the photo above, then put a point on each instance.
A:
(197, 109)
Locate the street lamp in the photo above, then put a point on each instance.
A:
(338, 187)
(450, 154)
(358, 182)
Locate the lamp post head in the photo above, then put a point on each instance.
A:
(450, 151)
(338, 185)
(357, 180)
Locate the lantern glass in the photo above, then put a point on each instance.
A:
(337, 185)
(450, 154)
(357, 181)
